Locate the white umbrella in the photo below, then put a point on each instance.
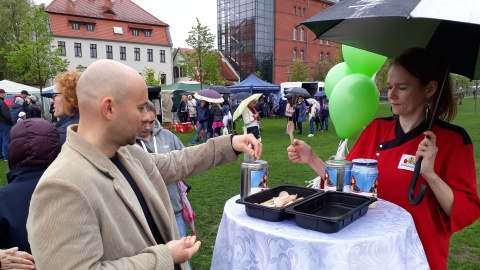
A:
(244, 105)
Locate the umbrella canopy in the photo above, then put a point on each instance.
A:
(241, 96)
(188, 215)
(314, 103)
(299, 92)
(244, 105)
(221, 89)
(320, 94)
(388, 27)
(209, 95)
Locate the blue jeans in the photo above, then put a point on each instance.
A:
(203, 125)
(300, 128)
(311, 125)
(175, 117)
(182, 229)
(323, 121)
(5, 137)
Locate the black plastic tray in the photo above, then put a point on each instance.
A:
(330, 212)
(254, 209)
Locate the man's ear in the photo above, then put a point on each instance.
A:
(432, 88)
(107, 108)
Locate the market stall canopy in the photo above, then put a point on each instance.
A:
(13, 87)
(185, 86)
(253, 84)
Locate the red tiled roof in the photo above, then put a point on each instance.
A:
(124, 10)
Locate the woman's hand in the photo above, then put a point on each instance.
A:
(428, 150)
(300, 152)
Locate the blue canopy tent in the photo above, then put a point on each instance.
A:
(254, 85)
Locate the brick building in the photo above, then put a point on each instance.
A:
(261, 35)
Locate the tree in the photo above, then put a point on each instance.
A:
(11, 14)
(203, 64)
(299, 72)
(149, 76)
(321, 69)
(34, 59)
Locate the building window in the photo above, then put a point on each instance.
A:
(327, 57)
(109, 52)
(134, 32)
(294, 10)
(123, 53)
(302, 34)
(90, 27)
(301, 56)
(299, 11)
(61, 48)
(321, 57)
(78, 49)
(136, 52)
(93, 50)
(321, 41)
(148, 33)
(162, 56)
(150, 55)
(294, 33)
(75, 25)
(304, 13)
(326, 42)
(294, 55)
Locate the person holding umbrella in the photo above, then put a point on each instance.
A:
(451, 201)
(301, 112)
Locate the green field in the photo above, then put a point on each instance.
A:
(212, 189)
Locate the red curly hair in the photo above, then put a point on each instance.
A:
(66, 83)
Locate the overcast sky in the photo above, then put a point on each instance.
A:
(179, 14)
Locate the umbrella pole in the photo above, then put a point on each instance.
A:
(416, 172)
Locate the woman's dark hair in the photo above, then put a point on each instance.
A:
(427, 67)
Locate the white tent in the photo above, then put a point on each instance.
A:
(15, 88)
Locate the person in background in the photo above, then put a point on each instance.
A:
(217, 114)
(52, 111)
(325, 113)
(5, 126)
(312, 116)
(11, 259)
(154, 139)
(33, 110)
(65, 100)
(289, 110)
(226, 116)
(174, 110)
(183, 109)
(451, 201)
(21, 116)
(34, 145)
(203, 114)
(24, 94)
(251, 118)
(192, 110)
(16, 108)
(103, 202)
(260, 108)
(301, 111)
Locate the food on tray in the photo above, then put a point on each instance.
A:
(283, 199)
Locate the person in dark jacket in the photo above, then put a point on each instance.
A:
(183, 109)
(65, 101)
(5, 126)
(33, 110)
(203, 114)
(34, 144)
(16, 108)
(216, 113)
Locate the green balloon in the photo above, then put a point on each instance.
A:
(336, 74)
(363, 62)
(353, 104)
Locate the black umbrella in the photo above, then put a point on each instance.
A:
(241, 96)
(154, 88)
(299, 92)
(221, 89)
(388, 27)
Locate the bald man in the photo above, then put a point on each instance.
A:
(103, 204)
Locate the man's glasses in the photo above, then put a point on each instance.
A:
(54, 95)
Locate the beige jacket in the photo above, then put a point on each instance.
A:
(84, 214)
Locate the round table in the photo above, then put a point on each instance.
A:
(385, 238)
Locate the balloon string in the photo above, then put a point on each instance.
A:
(342, 150)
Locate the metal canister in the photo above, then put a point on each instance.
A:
(364, 178)
(253, 174)
(337, 175)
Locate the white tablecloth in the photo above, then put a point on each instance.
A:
(385, 238)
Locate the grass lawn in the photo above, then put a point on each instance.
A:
(212, 189)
